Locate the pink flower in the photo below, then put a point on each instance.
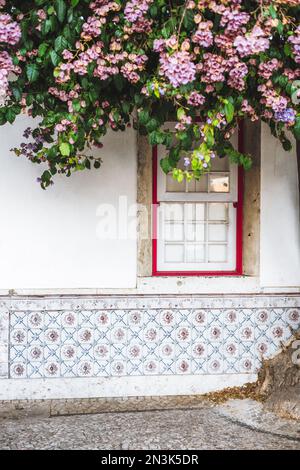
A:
(178, 68)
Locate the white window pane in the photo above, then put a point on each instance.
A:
(200, 211)
(174, 232)
(217, 232)
(194, 232)
(217, 253)
(199, 232)
(190, 232)
(173, 186)
(173, 212)
(220, 164)
(218, 211)
(202, 184)
(190, 253)
(174, 253)
(195, 253)
(189, 212)
(219, 183)
(200, 253)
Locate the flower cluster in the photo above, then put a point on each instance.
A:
(135, 12)
(295, 41)
(136, 9)
(204, 36)
(178, 68)
(254, 43)
(266, 69)
(10, 32)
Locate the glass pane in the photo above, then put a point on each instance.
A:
(217, 253)
(217, 232)
(200, 211)
(194, 253)
(194, 232)
(190, 232)
(200, 232)
(218, 211)
(173, 211)
(219, 182)
(174, 253)
(190, 253)
(174, 232)
(173, 186)
(200, 253)
(220, 164)
(189, 212)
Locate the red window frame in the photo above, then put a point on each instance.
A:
(239, 222)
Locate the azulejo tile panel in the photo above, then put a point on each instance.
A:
(4, 327)
(104, 337)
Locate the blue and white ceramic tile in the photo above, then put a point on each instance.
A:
(146, 336)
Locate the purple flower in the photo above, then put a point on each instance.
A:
(288, 116)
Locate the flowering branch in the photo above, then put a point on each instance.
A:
(86, 66)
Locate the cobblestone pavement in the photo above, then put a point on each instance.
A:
(203, 428)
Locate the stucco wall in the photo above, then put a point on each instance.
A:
(51, 239)
(280, 231)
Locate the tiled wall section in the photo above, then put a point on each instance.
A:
(142, 335)
(4, 334)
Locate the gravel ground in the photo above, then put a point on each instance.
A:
(194, 429)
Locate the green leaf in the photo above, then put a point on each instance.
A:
(143, 117)
(74, 3)
(60, 44)
(65, 149)
(54, 57)
(229, 111)
(180, 114)
(296, 129)
(42, 49)
(272, 12)
(61, 9)
(10, 115)
(17, 92)
(32, 72)
(165, 165)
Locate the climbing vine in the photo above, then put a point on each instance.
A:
(82, 67)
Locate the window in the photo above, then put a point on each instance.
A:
(197, 225)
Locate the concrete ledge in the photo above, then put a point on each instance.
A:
(126, 386)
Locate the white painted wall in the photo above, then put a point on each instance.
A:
(280, 230)
(48, 239)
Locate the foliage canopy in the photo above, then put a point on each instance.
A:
(86, 66)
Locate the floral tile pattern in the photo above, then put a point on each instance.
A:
(146, 335)
(4, 327)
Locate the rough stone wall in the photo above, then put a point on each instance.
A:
(251, 229)
(144, 199)
(282, 371)
(279, 380)
(48, 408)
